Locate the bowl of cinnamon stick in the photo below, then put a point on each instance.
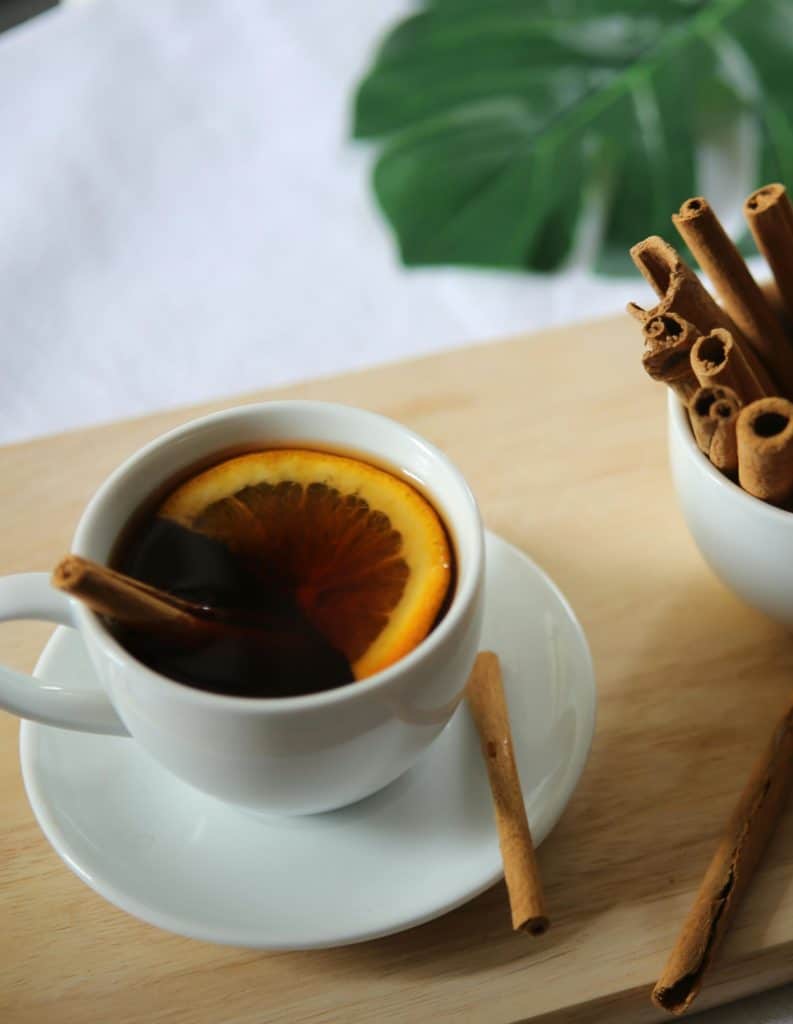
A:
(727, 360)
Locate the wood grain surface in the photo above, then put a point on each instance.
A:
(562, 440)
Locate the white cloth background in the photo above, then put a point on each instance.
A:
(182, 216)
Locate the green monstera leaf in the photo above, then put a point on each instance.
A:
(499, 120)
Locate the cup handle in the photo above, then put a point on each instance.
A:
(30, 596)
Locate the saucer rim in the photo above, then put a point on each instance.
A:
(548, 813)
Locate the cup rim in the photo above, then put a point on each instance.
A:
(678, 416)
(466, 590)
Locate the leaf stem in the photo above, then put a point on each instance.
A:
(702, 24)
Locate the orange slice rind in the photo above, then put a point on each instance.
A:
(364, 553)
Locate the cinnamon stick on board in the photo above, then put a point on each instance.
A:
(740, 294)
(668, 340)
(765, 449)
(713, 412)
(738, 852)
(717, 360)
(485, 693)
(769, 214)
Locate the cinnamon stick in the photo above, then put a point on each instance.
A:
(678, 288)
(123, 598)
(740, 294)
(737, 854)
(765, 449)
(769, 214)
(487, 702)
(724, 444)
(713, 412)
(716, 359)
(668, 340)
(702, 423)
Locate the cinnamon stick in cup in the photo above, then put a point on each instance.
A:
(485, 694)
(740, 294)
(765, 449)
(717, 360)
(769, 214)
(668, 340)
(737, 854)
(713, 412)
(123, 598)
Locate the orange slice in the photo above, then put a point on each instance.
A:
(364, 554)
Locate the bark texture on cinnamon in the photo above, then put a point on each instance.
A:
(765, 449)
(716, 359)
(736, 856)
(713, 412)
(769, 214)
(668, 340)
(740, 294)
(677, 286)
(486, 699)
(724, 443)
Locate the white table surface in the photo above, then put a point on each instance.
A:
(183, 216)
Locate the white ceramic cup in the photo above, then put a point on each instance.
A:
(747, 542)
(293, 755)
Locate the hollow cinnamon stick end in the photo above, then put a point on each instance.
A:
(763, 199)
(533, 925)
(677, 998)
(705, 412)
(691, 209)
(765, 449)
(668, 339)
(521, 874)
(712, 350)
(68, 573)
(669, 327)
(656, 261)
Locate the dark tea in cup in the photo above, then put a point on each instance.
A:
(323, 569)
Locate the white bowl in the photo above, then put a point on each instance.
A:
(747, 543)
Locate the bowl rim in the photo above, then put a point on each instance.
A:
(681, 426)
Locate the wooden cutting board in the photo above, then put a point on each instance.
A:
(562, 439)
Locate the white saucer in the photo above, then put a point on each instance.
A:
(164, 852)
